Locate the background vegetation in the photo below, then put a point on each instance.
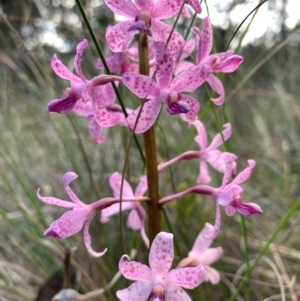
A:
(37, 148)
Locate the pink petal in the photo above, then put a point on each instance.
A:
(247, 209)
(95, 131)
(185, 12)
(191, 79)
(161, 253)
(195, 5)
(147, 118)
(137, 291)
(215, 160)
(230, 211)
(87, 238)
(115, 183)
(165, 9)
(228, 195)
(141, 85)
(78, 58)
(133, 270)
(182, 66)
(142, 186)
(104, 95)
(68, 224)
(134, 221)
(194, 108)
(54, 201)
(229, 65)
(175, 293)
(228, 159)
(189, 277)
(83, 108)
(114, 209)
(62, 71)
(245, 174)
(203, 240)
(217, 141)
(68, 178)
(118, 37)
(204, 176)
(201, 138)
(117, 63)
(161, 32)
(123, 8)
(218, 87)
(105, 118)
(204, 41)
(212, 275)
(164, 65)
(209, 256)
(144, 5)
(65, 105)
(187, 49)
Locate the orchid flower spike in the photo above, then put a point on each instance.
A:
(157, 281)
(72, 221)
(143, 16)
(229, 195)
(137, 216)
(80, 88)
(167, 90)
(210, 153)
(201, 253)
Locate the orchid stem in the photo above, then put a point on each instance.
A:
(155, 210)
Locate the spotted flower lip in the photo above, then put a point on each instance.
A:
(157, 281)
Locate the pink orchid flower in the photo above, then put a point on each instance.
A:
(144, 15)
(81, 214)
(158, 282)
(201, 253)
(225, 62)
(229, 194)
(210, 153)
(166, 90)
(80, 88)
(137, 216)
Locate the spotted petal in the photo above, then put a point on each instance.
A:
(147, 117)
(137, 291)
(118, 37)
(124, 8)
(165, 9)
(115, 181)
(175, 293)
(218, 87)
(189, 277)
(194, 105)
(54, 201)
(245, 174)
(161, 253)
(68, 178)
(78, 58)
(62, 71)
(68, 224)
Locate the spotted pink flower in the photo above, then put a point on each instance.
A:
(144, 15)
(137, 215)
(201, 253)
(229, 195)
(165, 91)
(72, 221)
(157, 281)
(210, 153)
(225, 62)
(80, 88)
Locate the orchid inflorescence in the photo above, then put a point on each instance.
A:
(169, 83)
